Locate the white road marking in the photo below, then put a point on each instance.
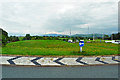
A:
(51, 61)
(117, 58)
(47, 61)
(90, 60)
(4, 59)
(108, 60)
(70, 61)
(24, 61)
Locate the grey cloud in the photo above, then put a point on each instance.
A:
(59, 16)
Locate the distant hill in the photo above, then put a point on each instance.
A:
(54, 35)
(77, 35)
(87, 35)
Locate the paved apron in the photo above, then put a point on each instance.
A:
(54, 61)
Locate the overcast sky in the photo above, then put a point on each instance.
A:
(36, 17)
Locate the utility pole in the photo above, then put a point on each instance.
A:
(111, 37)
(70, 32)
(103, 36)
(93, 37)
(88, 32)
(88, 29)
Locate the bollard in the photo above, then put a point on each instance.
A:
(81, 44)
(80, 49)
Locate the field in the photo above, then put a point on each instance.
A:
(58, 48)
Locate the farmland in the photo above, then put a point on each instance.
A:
(58, 48)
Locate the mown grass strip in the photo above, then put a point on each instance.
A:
(57, 47)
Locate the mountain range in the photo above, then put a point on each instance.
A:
(77, 35)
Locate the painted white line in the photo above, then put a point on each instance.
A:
(70, 61)
(47, 61)
(90, 60)
(51, 61)
(4, 59)
(108, 60)
(24, 61)
(117, 58)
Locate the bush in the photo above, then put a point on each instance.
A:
(3, 37)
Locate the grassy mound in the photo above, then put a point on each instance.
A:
(57, 47)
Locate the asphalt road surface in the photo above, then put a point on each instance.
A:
(108, 71)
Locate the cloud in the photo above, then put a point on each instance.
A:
(84, 25)
(44, 16)
(53, 33)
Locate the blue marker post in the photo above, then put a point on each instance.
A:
(81, 44)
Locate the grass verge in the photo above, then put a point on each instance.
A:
(58, 48)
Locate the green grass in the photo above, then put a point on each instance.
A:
(59, 48)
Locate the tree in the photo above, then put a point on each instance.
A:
(27, 37)
(33, 38)
(4, 40)
(106, 37)
(115, 36)
(3, 37)
(13, 39)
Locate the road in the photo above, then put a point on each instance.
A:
(108, 71)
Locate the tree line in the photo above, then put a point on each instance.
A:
(4, 38)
